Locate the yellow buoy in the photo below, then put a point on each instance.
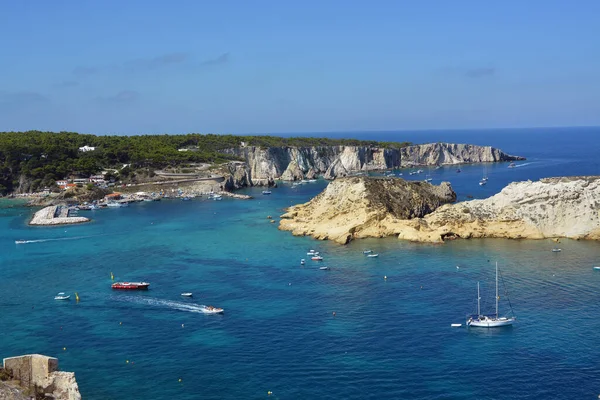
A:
(269, 393)
(76, 296)
(179, 379)
(64, 348)
(127, 361)
(112, 277)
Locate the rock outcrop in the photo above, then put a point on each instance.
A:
(357, 207)
(450, 153)
(264, 165)
(550, 208)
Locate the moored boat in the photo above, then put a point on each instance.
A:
(187, 294)
(316, 258)
(367, 251)
(372, 255)
(266, 192)
(62, 296)
(131, 285)
(323, 268)
(489, 320)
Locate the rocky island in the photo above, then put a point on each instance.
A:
(264, 165)
(354, 208)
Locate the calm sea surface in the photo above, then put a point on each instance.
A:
(389, 339)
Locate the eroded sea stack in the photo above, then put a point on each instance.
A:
(359, 207)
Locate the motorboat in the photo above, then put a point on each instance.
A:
(556, 250)
(597, 268)
(212, 310)
(266, 192)
(367, 251)
(458, 171)
(316, 258)
(187, 294)
(62, 296)
(312, 253)
(512, 165)
(302, 262)
(131, 285)
(482, 182)
(372, 255)
(323, 268)
(20, 241)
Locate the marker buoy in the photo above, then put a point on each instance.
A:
(126, 361)
(64, 348)
(120, 323)
(385, 277)
(269, 393)
(182, 325)
(179, 379)
(333, 313)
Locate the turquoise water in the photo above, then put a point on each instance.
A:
(389, 338)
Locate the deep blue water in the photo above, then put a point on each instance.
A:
(389, 339)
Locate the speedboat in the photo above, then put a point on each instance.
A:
(131, 285)
(187, 294)
(62, 296)
(323, 268)
(372, 255)
(316, 258)
(367, 251)
(20, 241)
(266, 192)
(212, 310)
(511, 165)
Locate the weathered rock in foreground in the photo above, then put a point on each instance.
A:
(47, 216)
(550, 208)
(359, 207)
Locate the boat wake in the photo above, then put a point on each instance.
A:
(160, 303)
(522, 165)
(55, 239)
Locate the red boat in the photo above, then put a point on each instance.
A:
(131, 285)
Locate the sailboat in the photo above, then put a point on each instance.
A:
(492, 320)
(484, 179)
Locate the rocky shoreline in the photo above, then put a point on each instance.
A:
(567, 207)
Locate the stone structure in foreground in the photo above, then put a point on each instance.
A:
(38, 374)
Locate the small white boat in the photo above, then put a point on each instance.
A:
(62, 296)
(187, 294)
(312, 253)
(482, 182)
(597, 268)
(456, 325)
(367, 251)
(511, 165)
(323, 268)
(302, 262)
(266, 192)
(212, 310)
(316, 258)
(372, 255)
(556, 250)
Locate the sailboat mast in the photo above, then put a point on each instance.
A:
(478, 299)
(496, 289)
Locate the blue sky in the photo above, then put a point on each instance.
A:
(133, 67)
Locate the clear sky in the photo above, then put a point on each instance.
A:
(147, 66)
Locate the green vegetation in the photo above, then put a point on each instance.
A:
(41, 158)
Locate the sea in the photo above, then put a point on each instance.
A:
(366, 328)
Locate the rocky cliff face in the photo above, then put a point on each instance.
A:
(296, 163)
(358, 207)
(550, 208)
(449, 153)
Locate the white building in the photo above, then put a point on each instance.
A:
(87, 148)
